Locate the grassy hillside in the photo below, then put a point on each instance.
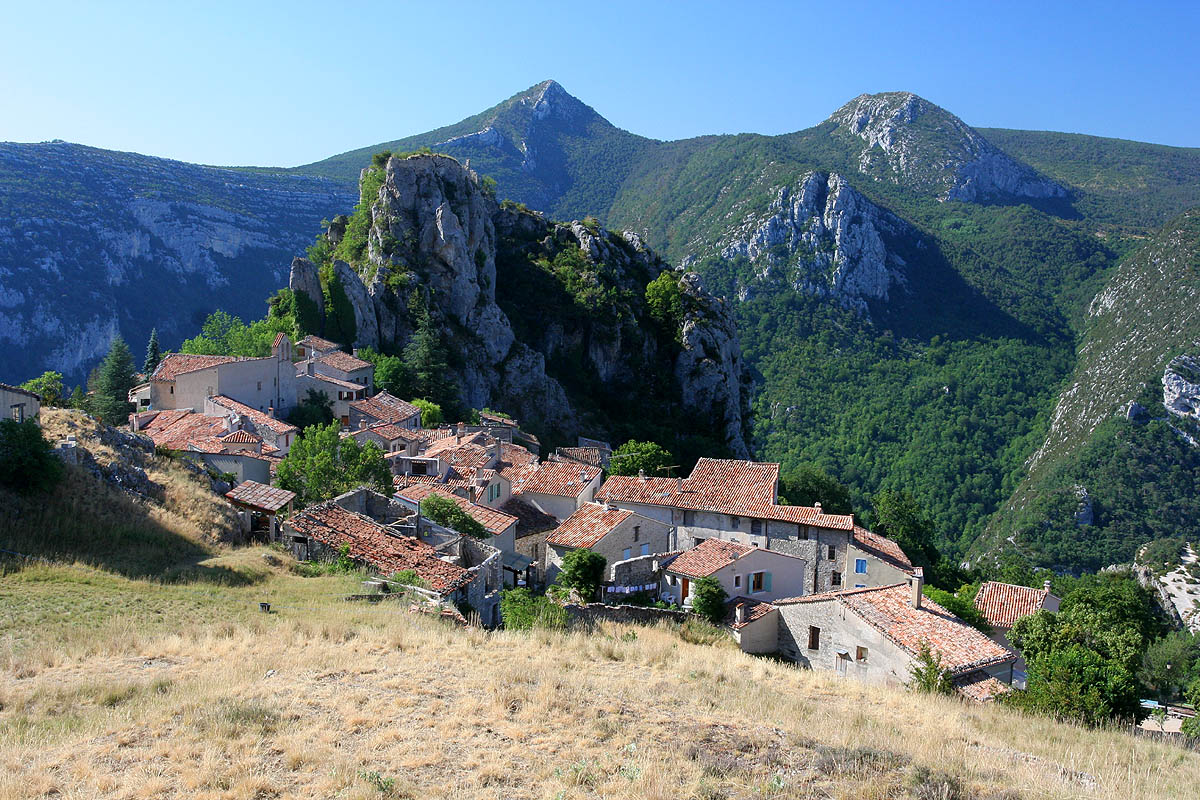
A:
(173, 693)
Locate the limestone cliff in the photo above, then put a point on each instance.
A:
(545, 320)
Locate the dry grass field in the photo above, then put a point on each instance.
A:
(134, 663)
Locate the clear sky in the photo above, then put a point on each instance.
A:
(284, 84)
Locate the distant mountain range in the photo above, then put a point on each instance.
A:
(911, 292)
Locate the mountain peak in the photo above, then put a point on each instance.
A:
(912, 141)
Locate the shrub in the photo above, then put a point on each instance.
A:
(583, 571)
(448, 513)
(27, 463)
(927, 673)
(431, 412)
(708, 599)
(522, 610)
(49, 387)
(633, 457)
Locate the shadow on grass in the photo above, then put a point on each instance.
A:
(83, 520)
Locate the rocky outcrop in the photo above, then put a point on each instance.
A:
(438, 240)
(823, 237)
(303, 278)
(911, 141)
(1181, 387)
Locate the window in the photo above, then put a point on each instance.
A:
(860, 586)
(637, 532)
(259, 385)
(734, 522)
(832, 553)
(802, 533)
(645, 549)
(814, 637)
(172, 390)
(689, 517)
(760, 582)
(756, 527)
(860, 654)
(835, 579)
(737, 581)
(18, 412)
(860, 566)
(626, 554)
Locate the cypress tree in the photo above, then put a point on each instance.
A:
(153, 354)
(111, 402)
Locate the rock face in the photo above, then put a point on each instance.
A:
(96, 244)
(1181, 387)
(436, 236)
(824, 238)
(303, 278)
(911, 141)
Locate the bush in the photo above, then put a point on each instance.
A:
(522, 610)
(583, 571)
(708, 599)
(961, 604)
(431, 412)
(49, 387)
(927, 674)
(448, 513)
(27, 462)
(633, 457)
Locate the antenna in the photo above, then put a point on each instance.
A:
(668, 469)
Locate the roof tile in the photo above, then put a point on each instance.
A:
(1002, 604)
(587, 526)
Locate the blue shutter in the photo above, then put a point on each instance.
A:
(766, 581)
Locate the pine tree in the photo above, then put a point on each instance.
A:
(153, 354)
(111, 402)
(425, 357)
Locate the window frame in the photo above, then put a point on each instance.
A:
(814, 638)
(860, 562)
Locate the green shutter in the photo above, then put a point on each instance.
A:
(766, 581)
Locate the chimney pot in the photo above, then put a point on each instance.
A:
(740, 613)
(1046, 584)
(271, 412)
(642, 475)
(917, 584)
(817, 506)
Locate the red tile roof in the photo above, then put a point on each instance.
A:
(493, 521)
(530, 520)
(260, 496)
(889, 610)
(389, 431)
(174, 364)
(559, 478)
(516, 463)
(595, 456)
(755, 610)
(184, 429)
(1002, 604)
(587, 526)
(338, 382)
(318, 344)
(241, 437)
(372, 544)
(260, 419)
(980, 687)
(882, 547)
(723, 486)
(342, 361)
(279, 337)
(387, 408)
(707, 557)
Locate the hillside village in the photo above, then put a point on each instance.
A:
(811, 587)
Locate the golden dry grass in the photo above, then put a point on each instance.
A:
(327, 699)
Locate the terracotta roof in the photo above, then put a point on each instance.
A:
(1002, 604)
(493, 521)
(530, 520)
(889, 610)
(559, 478)
(707, 557)
(260, 496)
(241, 437)
(449, 484)
(755, 610)
(463, 456)
(279, 337)
(18, 390)
(881, 546)
(343, 361)
(318, 344)
(723, 486)
(516, 463)
(386, 408)
(257, 417)
(373, 544)
(980, 687)
(587, 526)
(497, 419)
(388, 431)
(595, 456)
(184, 429)
(174, 364)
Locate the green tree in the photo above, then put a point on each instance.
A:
(78, 399)
(664, 300)
(1171, 663)
(27, 461)
(807, 485)
(633, 457)
(961, 604)
(153, 353)
(425, 357)
(583, 571)
(115, 379)
(708, 599)
(431, 412)
(322, 464)
(450, 514)
(316, 409)
(898, 516)
(521, 610)
(1191, 726)
(1078, 684)
(927, 673)
(48, 386)
(390, 373)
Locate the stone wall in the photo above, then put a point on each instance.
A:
(593, 613)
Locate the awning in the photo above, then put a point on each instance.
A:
(516, 562)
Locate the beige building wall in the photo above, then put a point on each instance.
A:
(19, 406)
(760, 636)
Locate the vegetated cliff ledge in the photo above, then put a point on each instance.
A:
(549, 321)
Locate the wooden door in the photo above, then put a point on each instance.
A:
(683, 591)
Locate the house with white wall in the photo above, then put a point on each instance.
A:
(614, 533)
(741, 569)
(560, 488)
(19, 404)
(268, 385)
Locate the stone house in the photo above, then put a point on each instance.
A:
(314, 346)
(343, 378)
(533, 528)
(273, 431)
(268, 384)
(874, 634)
(742, 570)
(754, 625)
(390, 438)
(560, 488)
(221, 442)
(736, 501)
(614, 533)
(1002, 604)
(501, 527)
(20, 404)
(384, 407)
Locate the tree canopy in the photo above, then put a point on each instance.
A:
(321, 465)
(583, 571)
(807, 485)
(449, 514)
(27, 463)
(633, 457)
(48, 386)
(708, 599)
(110, 402)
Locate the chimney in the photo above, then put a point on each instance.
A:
(642, 475)
(362, 424)
(679, 484)
(271, 412)
(1046, 585)
(817, 506)
(309, 367)
(739, 613)
(917, 584)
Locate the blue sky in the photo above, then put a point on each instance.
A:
(286, 84)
